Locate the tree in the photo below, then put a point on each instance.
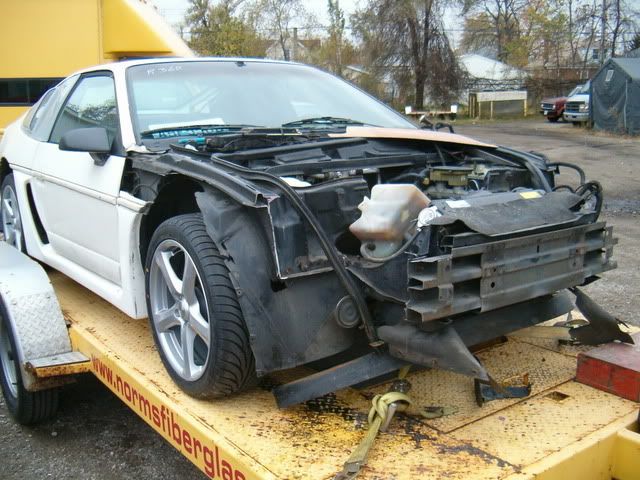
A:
(621, 19)
(406, 39)
(336, 51)
(634, 43)
(279, 19)
(502, 16)
(219, 30)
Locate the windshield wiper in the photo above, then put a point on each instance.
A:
(322, 121)
(181, 130)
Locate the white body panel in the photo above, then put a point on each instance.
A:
(92, 227)
(83, 225)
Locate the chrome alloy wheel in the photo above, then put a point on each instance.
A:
(7, 361)
(11, 222)
(179, 310)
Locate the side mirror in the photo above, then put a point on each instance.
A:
(94, 140)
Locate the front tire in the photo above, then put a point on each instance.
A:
(26, 407)
(195, 317)
(10, 214)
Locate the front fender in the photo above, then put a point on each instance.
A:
(290, 323)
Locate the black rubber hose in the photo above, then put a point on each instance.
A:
(343, 275)
(563, 187)
(521, 158)
(583, 176)
(418, 177)
(596, 189)
(396, 254)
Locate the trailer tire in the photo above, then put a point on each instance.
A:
(225, 364)
(26, 407)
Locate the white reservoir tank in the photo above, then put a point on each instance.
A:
(388, 218)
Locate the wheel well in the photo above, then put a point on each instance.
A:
(175, 197)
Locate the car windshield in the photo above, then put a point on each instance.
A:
(580, 89)
(246, 93)
(575, 91)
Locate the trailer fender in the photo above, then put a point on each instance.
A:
(28, 300)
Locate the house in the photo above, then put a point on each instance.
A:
(295, 49)
(485, 73)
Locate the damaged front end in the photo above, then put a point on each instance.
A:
(371, 251)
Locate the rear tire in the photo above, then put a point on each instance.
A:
(10, 214)
(26, 407)
(194, 312)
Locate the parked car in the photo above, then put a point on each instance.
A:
(553, 107)
(577, 105)
(265, 215)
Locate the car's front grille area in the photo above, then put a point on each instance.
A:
(548, 106)
(573, 107)
(491, 275)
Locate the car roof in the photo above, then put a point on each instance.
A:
(121, 66)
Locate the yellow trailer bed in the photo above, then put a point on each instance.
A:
(563, 430)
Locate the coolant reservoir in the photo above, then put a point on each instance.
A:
(387, 218)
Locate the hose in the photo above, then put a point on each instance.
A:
(580, 171)
(521, 159)
(592, 187)
(417, 176)
(395, 254)
(563, 187)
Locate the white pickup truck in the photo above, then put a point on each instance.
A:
(576, 109)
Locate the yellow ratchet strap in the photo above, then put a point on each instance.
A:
(377, 417)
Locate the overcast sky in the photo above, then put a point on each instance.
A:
(173, 10)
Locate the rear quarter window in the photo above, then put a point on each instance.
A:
(35, 112)
(47, 113)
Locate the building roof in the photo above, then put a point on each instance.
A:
(631, 66)
(479, 66)
(635, 53)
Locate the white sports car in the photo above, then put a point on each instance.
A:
(266, 215)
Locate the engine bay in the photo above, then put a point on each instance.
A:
(372, 196)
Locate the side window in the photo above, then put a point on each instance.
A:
(47, 112)
(91, 104)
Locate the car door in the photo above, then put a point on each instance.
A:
(75, 194)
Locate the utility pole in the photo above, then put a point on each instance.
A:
(294, 46)
(603, 19)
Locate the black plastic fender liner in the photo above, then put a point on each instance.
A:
(330, 251)
(287, 326)
(602, 328)
(442, 349)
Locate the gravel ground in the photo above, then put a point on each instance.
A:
(96, 437)
(615, 163)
